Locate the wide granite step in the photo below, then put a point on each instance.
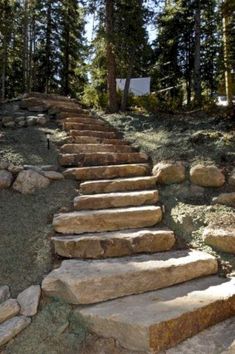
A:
(83, 126)
(94, 148)
(118, 185)
(111, 171)
(114, 244)
(79, 222)
(115, 200)
(102, 158)
(94, 140)
(86, 282)
(94, 133)
(158, 320)
(84, 120)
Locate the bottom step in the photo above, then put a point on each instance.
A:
(161, 319)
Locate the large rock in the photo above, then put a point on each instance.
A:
(158, 320)
(4, 293)
(53, 175)
(106, 219)
(207, 176)
(83, 282)
(29, 300)
(221, 238)
(29, 181)
(225, 198)
(8, 309)
(6, 179)
(167, 172)
(12, 327)
(114, 244)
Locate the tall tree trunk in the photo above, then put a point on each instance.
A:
(111, 60)
(25, 50)
(48, 47)
(227, 67)
(66, 54)
(126, 89)
(5, 56)
(197, 54)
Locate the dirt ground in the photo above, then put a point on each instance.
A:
(25, 220)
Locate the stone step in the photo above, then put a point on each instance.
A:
(111, 171)
(115, 200)
(90, 148)
(94, 133)
(158, 320)
(118, 185)
(114, 244)
(95, 140)
(87, 282)
(94, 126)
(84, 120)
(107, 219)
(63, 114)
(102, 158)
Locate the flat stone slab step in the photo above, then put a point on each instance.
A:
(94, 148)
(114, 244)
(84, 120)
(102, 158)
(95, 140)
(84, 282)
(94, 126)
(115, 200)
(8, 309)
(65, 114)
(111, 171)
(107, 219)
(156, 321)
(118, 185)
(94, 133)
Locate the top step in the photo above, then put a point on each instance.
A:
(110, 171)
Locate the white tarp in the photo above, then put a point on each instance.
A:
(139, 86)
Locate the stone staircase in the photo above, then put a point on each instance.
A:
(137, 287)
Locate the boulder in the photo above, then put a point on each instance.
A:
(168, 172)
(220, 238)
(31, 120)
(4, 293)
(231, 180)
(28, 181)
(225, 198)
(8, 309)
(5, 179)
(15, 169)
(29, 300)
(53, 175)
(4, 165)
(41, 120)
(12, 327)
(207, 176)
